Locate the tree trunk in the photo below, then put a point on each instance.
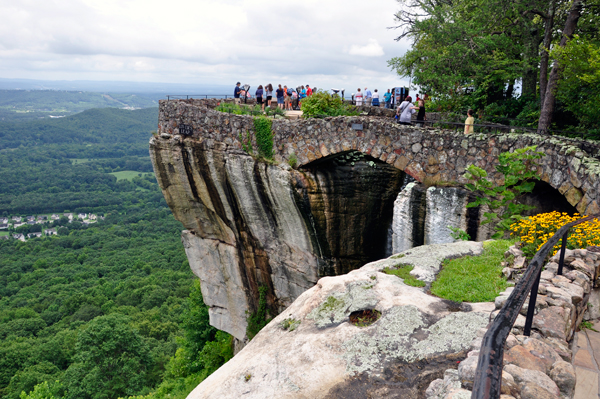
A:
(548, 107)
(530, 75)
(545, 55)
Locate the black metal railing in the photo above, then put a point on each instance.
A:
(482, 127)
(488, 378)
(197, 96)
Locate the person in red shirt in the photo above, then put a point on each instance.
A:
(308, 91)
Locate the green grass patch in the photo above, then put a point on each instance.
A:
(290, 324)
(473, 278)
(403, 271)
(129, 174)
(4, 233)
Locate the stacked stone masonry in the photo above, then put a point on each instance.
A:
(427, 154)
(539, 366)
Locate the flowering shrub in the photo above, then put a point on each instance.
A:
(534, 231)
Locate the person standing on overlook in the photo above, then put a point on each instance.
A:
(368, 97)
(236, 93)
(287, 98)
(358, 98)
(388, 99)
(279, 94)
(375, 101)
(309, 91)
(269, 93)
(301, 95)
(469, 122)
(259, 96)
(421, 115)
(295, 99)
(405, 111)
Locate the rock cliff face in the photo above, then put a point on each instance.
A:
(313, 350)
(351, 206)
(250, 224)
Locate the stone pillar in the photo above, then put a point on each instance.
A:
(409, 215)
(446, 206)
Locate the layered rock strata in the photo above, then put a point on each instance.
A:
(250, 224)
(425, 216)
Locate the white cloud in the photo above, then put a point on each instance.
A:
(212, 41)
(373, 49)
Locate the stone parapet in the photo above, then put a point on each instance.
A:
(539, 365)
(427, 154)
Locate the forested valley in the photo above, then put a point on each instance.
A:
(105, 310)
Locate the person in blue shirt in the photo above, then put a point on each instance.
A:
(368, 97)
(301, 95)
(236, 93)
(388, 99)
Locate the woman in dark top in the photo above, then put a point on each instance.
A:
(269, 93)
(279, 94)
(259, 96)
(421, 115)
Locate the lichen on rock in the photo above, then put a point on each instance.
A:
(404, 333)
(338, 306)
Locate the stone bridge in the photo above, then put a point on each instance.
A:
(432, 156)
(252, 225)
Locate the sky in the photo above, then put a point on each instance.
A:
(324, 43)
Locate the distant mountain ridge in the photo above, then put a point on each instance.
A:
(107, 126)
(23, 105)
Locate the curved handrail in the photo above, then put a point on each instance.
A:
(488, 381)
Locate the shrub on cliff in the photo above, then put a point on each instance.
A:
(520, 169)
(323, 104)
(264, 136)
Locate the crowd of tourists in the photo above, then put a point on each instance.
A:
(289, 98)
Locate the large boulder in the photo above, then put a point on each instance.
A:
(415, 340)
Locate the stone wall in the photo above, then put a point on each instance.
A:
(538, 366)
(427, 154)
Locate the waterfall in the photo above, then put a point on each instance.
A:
(407, 224)
(423, 216)
(446, 206)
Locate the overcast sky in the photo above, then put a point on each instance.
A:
(324, 43)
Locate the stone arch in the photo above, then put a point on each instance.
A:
(224, 197)
(429, 155)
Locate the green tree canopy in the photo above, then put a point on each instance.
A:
(111, 360)
(474, 53)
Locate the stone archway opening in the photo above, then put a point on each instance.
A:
(545, 198)
(348, 201)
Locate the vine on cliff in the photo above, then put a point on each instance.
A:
(264, 137)
(259, 319)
